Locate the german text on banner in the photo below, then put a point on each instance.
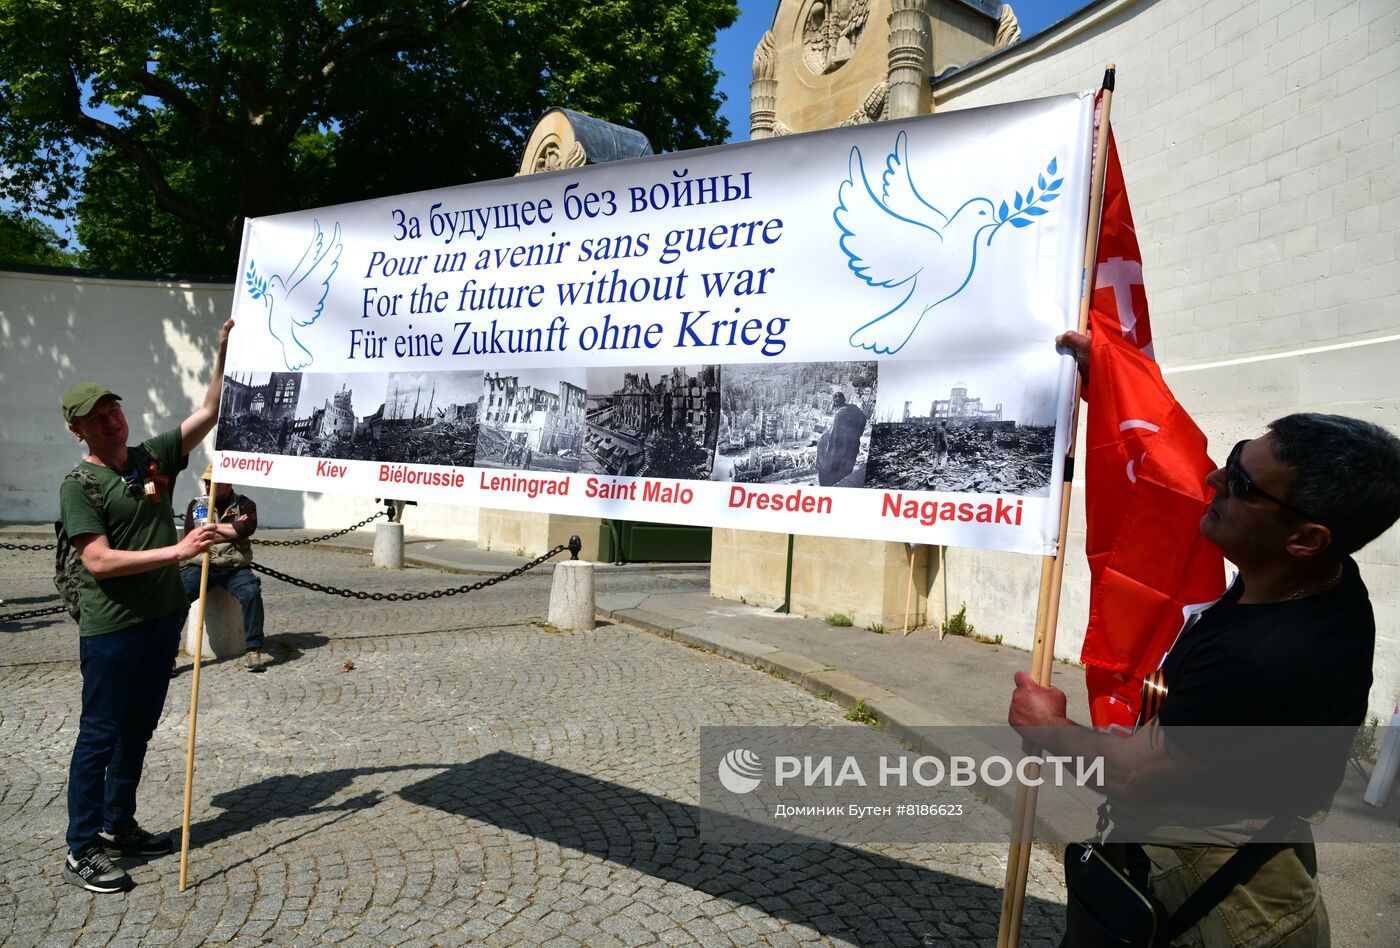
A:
(843, 333)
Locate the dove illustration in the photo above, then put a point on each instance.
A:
(895, 238)
(298, 298)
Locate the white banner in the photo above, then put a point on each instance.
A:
(843, 333)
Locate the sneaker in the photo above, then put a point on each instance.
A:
(92, 870)
(134, 842)
(253, 661)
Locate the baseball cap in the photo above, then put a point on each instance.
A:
(79, 399)
(208, 473)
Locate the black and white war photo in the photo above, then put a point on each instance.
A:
(796, 423)
(405, 417)
(652, 421)
(965, 426)
(532, 420)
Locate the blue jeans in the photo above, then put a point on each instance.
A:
(244, 585)
(125, 676)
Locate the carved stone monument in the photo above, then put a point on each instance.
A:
(828, 63)
(563, 138)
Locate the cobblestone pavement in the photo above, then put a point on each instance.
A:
(475, 778)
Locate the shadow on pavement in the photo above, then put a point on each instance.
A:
(290, 646)
(837, 890)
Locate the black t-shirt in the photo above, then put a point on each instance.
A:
(1268, 696)
(1306, 662)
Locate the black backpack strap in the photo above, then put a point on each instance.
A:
(1237, 870)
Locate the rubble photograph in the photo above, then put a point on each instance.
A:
(532, 420)
(964, 426)
(417, 418)
(796, 423)
(425, 418)
(652, 421)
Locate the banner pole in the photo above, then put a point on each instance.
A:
(911, 549)
(194, 691)
(943, 578)
(1053, 567)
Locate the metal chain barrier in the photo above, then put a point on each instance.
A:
(27, 547)
(572, 546)
(328, 536)
(33, 613)
(407, 597)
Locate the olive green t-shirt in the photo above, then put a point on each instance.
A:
(130, 523)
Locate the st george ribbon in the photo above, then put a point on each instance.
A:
(842, 333)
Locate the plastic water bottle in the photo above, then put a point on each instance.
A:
(200, 515)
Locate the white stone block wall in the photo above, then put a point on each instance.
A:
(153, 343)
(1261, 148)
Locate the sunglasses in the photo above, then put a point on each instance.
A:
(1243, 487)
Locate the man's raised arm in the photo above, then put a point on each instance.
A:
(195, 428)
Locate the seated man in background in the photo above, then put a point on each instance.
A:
(229, 562)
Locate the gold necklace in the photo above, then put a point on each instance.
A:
(1297, 593)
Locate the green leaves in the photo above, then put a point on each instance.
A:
(166, 122)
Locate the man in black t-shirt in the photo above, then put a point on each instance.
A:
(1290, 644)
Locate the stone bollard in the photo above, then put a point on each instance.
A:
(388, 546)
(571, 603)
(223, 625)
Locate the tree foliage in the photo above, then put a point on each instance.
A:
(30, 241)
(167, 122)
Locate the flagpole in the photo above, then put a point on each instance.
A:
(194, 690)
(1052, 568)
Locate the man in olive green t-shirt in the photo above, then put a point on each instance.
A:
(132, 609)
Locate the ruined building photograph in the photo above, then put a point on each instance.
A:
(984, 426)
(783, 424)
(425, 418)
(653, 421)
(414, 417)
(532, 420)
(252, 407)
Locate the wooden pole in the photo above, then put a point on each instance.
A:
(943, 578)
(909, 586)
(194, 692)
(1052, 568)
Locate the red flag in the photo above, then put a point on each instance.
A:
(1119, 294)
(1145, 490)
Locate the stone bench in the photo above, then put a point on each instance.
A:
(223, 625)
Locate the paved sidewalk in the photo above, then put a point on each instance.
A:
(917, 683)
(910, 683)
(452, 771)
